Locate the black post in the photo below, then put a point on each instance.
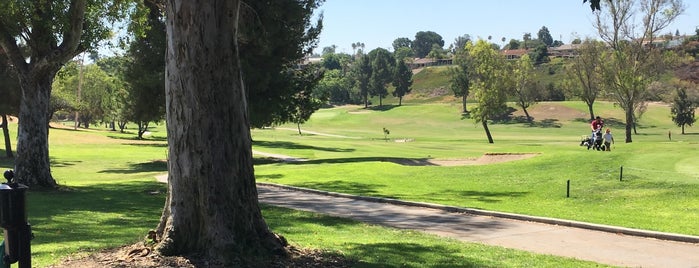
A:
(621, 173)
(568, 189)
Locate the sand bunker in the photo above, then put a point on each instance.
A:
(488, 158)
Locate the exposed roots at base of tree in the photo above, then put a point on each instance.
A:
(142, 255)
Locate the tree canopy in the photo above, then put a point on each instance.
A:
(424, 40)
(54, 32)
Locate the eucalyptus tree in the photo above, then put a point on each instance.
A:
(584, 73)
(490, 81)
(211, 208)
(54, 32)
(524, 87)
(634, 62)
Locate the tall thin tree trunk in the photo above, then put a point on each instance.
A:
(463, 103)
(484, 122)
(32, 166)
(212, 206)
(629, 124)
(592, 113)
(526, 113)
(6, 133)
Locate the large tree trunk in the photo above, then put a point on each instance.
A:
(6, 134)
(32, 163)
(212, 207)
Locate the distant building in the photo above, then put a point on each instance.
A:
(427, 62)
(513, 54)
(564, 51)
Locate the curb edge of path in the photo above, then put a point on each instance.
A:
(520, 217)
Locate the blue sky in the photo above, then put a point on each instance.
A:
(376, 23)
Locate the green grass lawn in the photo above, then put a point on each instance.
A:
(112, 199)
(659, 190)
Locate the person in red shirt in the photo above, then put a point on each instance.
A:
(596, 126)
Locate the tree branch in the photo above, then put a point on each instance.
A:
(71, 37)
(9, 45)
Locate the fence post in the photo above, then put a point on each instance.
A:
(568, 189)
(621, 173)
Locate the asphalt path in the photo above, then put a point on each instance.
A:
(599, 243)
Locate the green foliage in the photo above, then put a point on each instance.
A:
(9, 103)
(404, 53)
(540, 54)
(145, 72)
(274, 36)
(525, 87)
(307, 100)
(513, 44)
(402, 42)
(460, 42)
(338, 88)
(361, 74)
(684, 105)
(583, 76)
(93, 103)
(422, 45)
(382, 66)
(489, 81)
(545, 36)
(402, 80)
(461, 74)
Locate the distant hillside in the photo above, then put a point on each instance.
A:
(433, 83)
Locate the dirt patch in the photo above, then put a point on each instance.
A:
(486, 159)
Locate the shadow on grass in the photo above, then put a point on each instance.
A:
(149, 144)
(135, 138)
(152, 166)
(383, 108)
(104, 214)
(484, 196)
(291, 145)
(372, 254)
(611, 122)
(354, 188)
(399, 254)
(55, 163)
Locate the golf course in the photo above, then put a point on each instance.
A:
(429, 153)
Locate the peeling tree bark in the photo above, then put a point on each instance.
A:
(212, 206)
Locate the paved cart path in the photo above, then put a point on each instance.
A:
(609, 247)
